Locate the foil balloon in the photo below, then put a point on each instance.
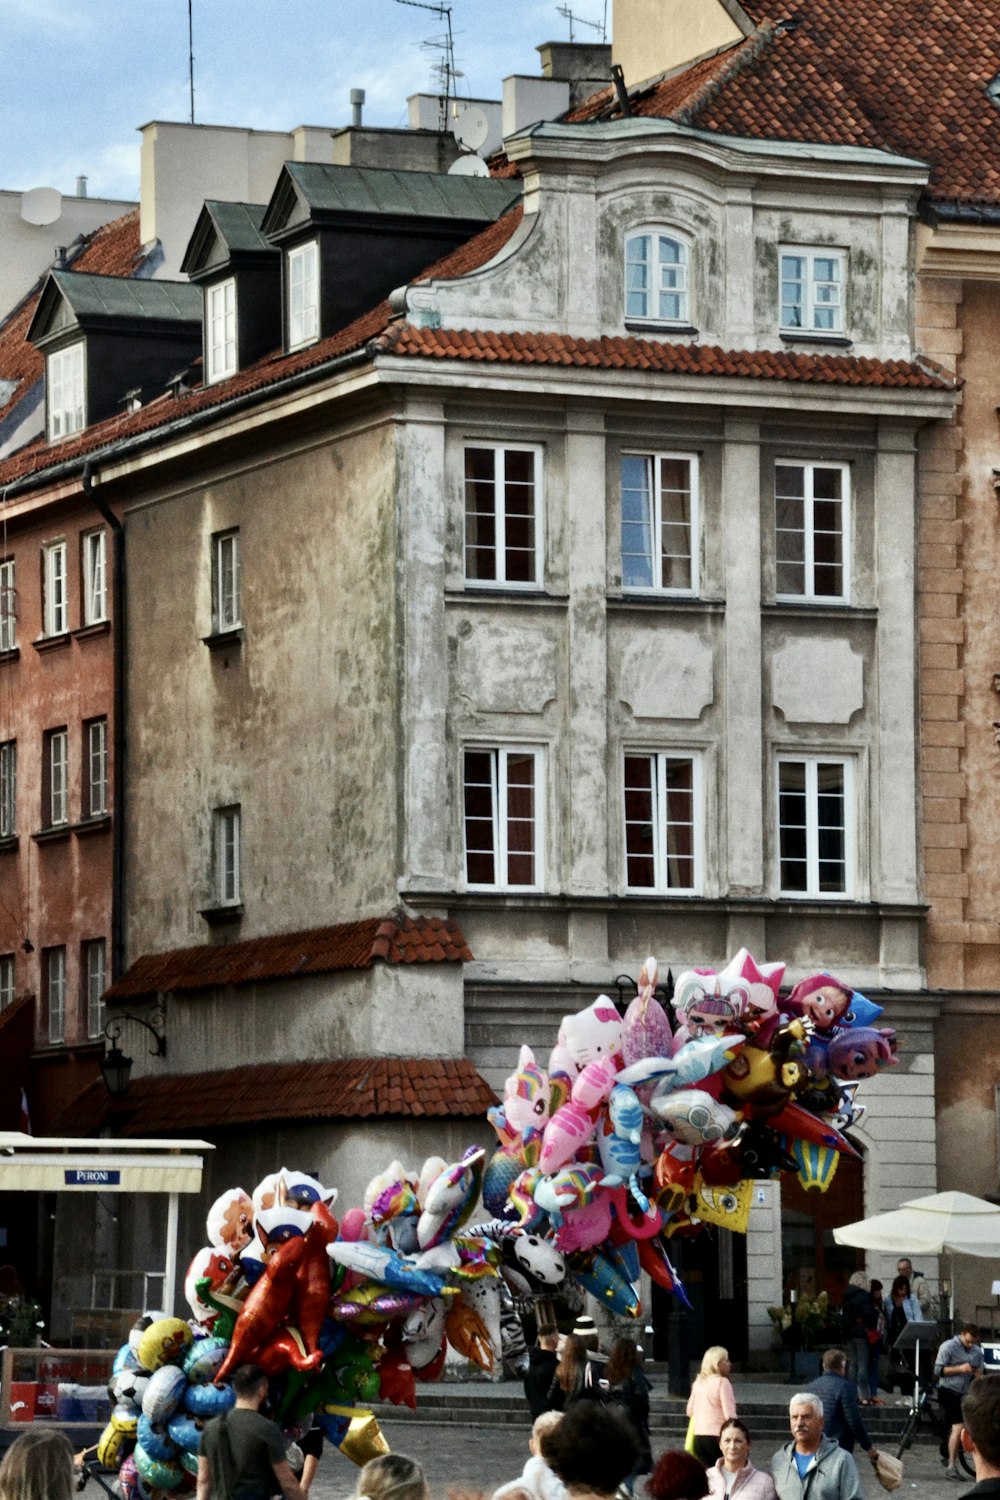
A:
(163, 1342)
(816, 1164)
(229, 1221)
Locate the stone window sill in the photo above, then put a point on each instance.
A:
(52, 642)
(679, 330)
(222, 640)
(14, 654)
(828, 340)
(85, 632)
(53, 835)
(221, 916)
(10, 845)
(88, 826)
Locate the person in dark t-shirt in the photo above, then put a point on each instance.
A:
(243, 1454)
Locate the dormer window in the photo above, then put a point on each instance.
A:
(657, 278)
(303, 295)
(812, 290)
(220, 330)
(65, 389)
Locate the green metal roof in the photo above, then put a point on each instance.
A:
(413, 195)
(238, 224)
(122, 297)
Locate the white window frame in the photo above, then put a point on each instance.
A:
(500, 756)
(55, 603)
(809, 468)
(226, 834)
(814, 303)
(95, 981)
(8, 789)
(55, 993)
(96, 750)
(661, 760)
(500, 451)
(226, 613)
(95, 577)
(812, 762)
(8, 605)
(8, 979)
(655, 460)
(680, 271)
(220, 330)
(302, 265)
(57, 752)
(66, 391)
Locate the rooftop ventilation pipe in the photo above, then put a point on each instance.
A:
(624, 102)
(357, 105)
(81, 187)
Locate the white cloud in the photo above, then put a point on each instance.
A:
(62, 18)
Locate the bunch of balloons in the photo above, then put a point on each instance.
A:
(642, 1127)
(162, 1389)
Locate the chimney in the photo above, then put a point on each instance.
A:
(357, 105)
(81, 187)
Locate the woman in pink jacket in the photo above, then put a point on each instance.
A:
(711, 1403)
(734, 1475)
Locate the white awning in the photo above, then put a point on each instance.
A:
(63, 1164)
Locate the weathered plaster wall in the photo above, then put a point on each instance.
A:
(55, 892)
(298, 724)
(654, 36)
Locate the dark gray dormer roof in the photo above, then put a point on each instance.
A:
(226, 232)
(318, 193)
(79, 299)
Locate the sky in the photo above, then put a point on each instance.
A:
(80, 76)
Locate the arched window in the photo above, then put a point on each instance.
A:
(657, 280)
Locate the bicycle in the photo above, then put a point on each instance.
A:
(923, 1404)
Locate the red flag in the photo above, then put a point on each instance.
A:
(25, 1122)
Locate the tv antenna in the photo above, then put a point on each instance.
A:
(601, 27)
(191, 56)
(445, 69)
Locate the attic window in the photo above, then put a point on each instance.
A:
(220, 330)
(7, 389)
(64, 382)
(993, 90)
(303, 295)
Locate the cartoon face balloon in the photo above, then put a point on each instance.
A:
(230, 1220)
(594, 1034)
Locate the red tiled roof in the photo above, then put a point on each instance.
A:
(112, 250)
(359, 1088)
(612, 353)
(320, 950)
(266, 372)
(908, 76)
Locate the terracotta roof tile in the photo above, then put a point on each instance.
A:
(670, 359)
(344, 1089)
(112, 250)
(320, 950)
(908, 76)
(266, 372)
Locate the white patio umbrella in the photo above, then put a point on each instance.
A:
(940, 1224)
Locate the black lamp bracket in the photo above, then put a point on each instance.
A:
(113, 1029)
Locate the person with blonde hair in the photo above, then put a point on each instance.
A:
(711, 1403)
(391, 1476)
(537, 1481)
(39, 1465)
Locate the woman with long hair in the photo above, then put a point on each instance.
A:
(629, 1388)
(38, 1466)
(734, 1474)
(568, 1382)
(711, 1403)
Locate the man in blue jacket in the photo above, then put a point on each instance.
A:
(812, 1466)
(841, 1414)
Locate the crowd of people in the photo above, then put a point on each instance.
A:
(590, 1438)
